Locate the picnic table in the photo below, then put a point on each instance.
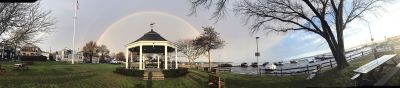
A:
(361, 72)
(20, 67)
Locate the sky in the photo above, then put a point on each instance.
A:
(117, 23)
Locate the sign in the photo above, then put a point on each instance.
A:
(257, 54)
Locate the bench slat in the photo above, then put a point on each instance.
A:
(373, 64)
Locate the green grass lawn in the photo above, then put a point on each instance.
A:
(65, 75)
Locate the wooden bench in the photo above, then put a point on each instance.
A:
(215, 81)
(361, 72)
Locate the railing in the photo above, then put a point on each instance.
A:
(329, 63)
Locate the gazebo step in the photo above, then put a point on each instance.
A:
(153, 78)
(156, 74)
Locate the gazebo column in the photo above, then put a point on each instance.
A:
(176, 58)
(165, 57)
(131, 54)
(140, 58)
(158, 61)
(126, 56)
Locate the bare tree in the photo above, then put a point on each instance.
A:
(326, 18)
(187, 48)
(23, 22)
(209, 40)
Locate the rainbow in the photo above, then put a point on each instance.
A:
(109, 29)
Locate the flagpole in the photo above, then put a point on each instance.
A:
(73, 37)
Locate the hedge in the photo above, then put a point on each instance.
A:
(175, 72)
(33, 58)
(129, 72)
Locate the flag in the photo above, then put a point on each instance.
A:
(77, 5)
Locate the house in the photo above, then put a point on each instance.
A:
(66, 55)
(7, 51)
(30, 50)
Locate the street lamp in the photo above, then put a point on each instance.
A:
(372, 40)
(257, 54)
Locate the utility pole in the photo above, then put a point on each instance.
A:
(73, 37)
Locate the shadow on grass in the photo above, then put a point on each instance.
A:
(149, 82)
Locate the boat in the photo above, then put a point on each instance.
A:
(270, 67)
(279, 63)
(265, 63)
(293, 61)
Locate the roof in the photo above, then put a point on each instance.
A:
(27, 47)
(151, 36)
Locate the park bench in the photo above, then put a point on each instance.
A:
(365, 74)
(20, 67)
(215, 81)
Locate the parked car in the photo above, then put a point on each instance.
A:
(254, 64)
(244, 65)
(115, 62)
(225, 65)
(293, 61)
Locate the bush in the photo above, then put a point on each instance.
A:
(33, 58)
(175, 72)
(129, 72)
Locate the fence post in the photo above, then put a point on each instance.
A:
(330, 60)
(281, 71)
(362, 53)
(308, 71)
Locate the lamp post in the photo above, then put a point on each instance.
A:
(372, 40)
(257, 54)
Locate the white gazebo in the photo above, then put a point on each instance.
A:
(150, 46)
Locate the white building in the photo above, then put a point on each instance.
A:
(66, 55)
(150, 49)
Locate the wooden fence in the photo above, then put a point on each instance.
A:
(330, 63)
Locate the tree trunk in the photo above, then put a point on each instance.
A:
(341, 60)
(338, 52)
(190, 64)
(90, 59)
(209, 60)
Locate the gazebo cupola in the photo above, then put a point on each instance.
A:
(150, 43)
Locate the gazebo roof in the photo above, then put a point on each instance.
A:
(151, 36)
(155, 39)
